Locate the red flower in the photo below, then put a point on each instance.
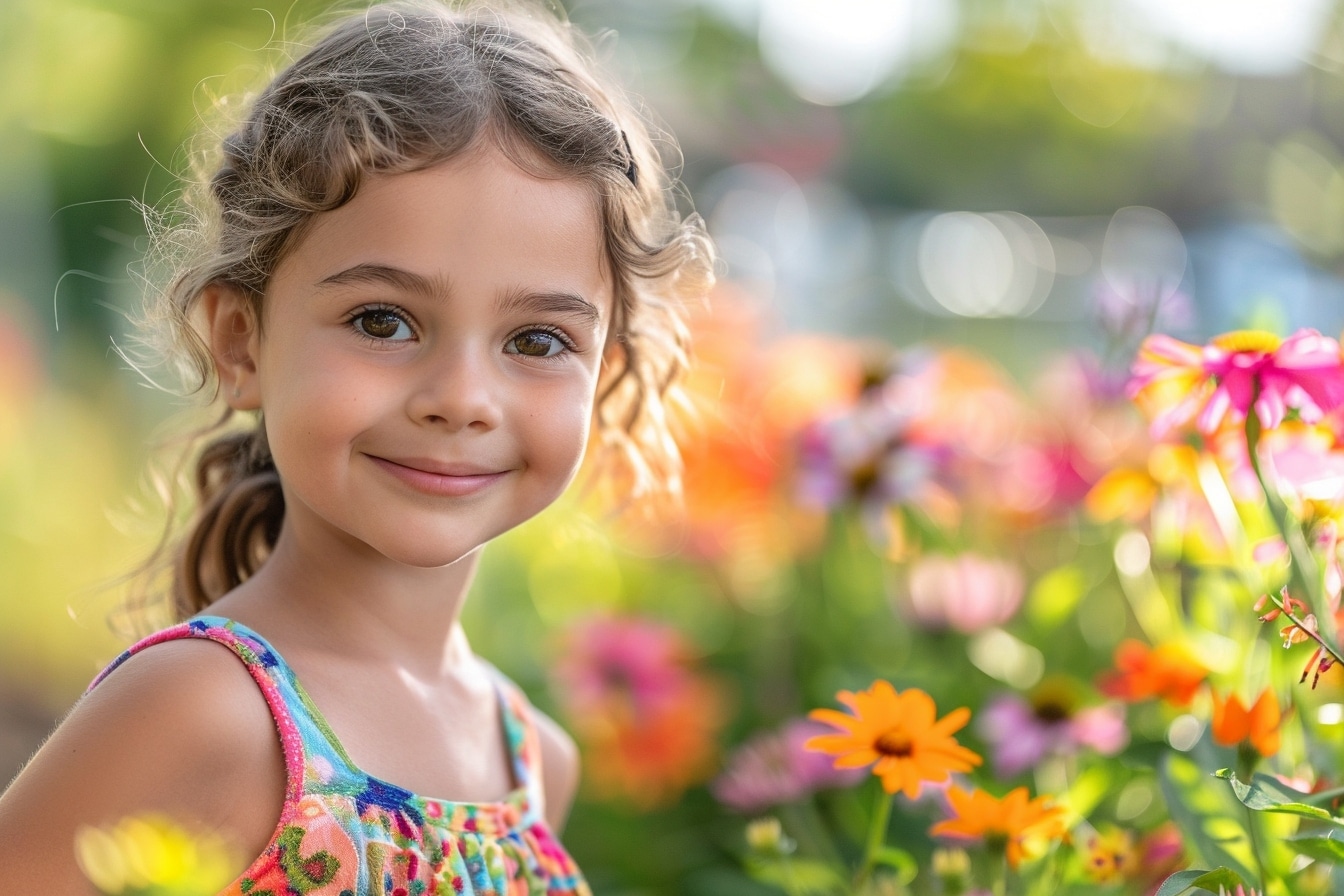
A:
(1167, 671)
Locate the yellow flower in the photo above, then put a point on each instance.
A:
(151, 852)
(1109, 856)
(899, 734)
(1016, 824)
(1129, 493)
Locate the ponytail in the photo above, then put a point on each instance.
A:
(240, 510)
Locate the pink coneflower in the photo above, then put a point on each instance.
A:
(773, 768)
(1235, 373)
(967, 593)
(640, 657)
(1022, 732)
(648, 719)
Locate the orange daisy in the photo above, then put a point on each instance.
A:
(1167, 671)
(899, 734)
(1234, 724)
(1019, 825)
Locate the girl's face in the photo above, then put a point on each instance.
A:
(428, 357)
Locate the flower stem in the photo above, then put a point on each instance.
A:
(1304, 576)
(877, 832)
(1001, 881)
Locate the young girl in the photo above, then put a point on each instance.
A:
(435, 253)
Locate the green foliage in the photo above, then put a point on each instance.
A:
(1267, 794)
(1217, 881)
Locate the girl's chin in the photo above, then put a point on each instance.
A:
(430, 557)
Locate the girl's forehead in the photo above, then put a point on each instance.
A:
(476, 217)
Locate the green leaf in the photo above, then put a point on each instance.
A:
(897, 860)
(1219, 879)
(1209, 881)
(1328, 848)
(1266, 794)
(1205, 813)
(1179, 882)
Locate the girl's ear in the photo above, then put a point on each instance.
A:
(235, 337)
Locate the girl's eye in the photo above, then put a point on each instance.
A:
(383, 325)
(536, 344)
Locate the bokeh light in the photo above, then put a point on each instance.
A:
(839, 51)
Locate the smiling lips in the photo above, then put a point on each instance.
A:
(435, 478)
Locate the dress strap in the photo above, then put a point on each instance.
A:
(266, 669)
(524, 745)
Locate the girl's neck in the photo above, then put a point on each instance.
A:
(349, 601)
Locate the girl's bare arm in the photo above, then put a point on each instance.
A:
(180, 730)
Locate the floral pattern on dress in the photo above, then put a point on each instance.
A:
(343, 832)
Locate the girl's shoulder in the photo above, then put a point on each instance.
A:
(179, 730)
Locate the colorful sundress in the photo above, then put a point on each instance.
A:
(343, 832)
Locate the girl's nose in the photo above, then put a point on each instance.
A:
(460, 390)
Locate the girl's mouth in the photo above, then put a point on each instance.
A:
(437, 478)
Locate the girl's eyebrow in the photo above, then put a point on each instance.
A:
(568, 304)
(398, 278)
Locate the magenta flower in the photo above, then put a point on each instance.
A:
(773, 768)
(647, 717)
(968, 593)
(645, 661)
(1021, 733)
(1235, 373)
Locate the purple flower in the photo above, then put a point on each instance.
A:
(772, 768)
(1021, 732)
(866, 455)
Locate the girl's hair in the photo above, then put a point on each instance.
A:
(401, 87)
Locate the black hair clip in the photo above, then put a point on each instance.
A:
(632, 170)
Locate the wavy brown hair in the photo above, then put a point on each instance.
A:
(400, 87)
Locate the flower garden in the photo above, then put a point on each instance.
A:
(1077, 637)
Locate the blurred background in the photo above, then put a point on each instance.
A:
(1011, 176)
